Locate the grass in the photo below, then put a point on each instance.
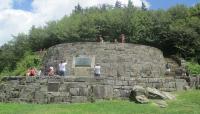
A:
(186, 103)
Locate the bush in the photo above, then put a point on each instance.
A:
(193, 67)
(29, 60)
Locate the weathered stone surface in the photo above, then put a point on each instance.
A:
(61, 89)
(180, 83)
(53, 86)
(129, 60)
(139, 90)
(155, 94)
(142, 99)
(78, 99)
(168, 95)
(103, 91)
(186, 88)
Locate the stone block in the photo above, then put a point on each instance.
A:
(64, 94)
(83, 91)
(74, 91)
(76, 84)
(53, 87)
(102, 91)
(125, 93)
(84, 79)
(43, 88)
(121, 83)
(40, 97)
(180, 83)
(131, 83)
(78, 99)
(116, 93)
(30, 79)
(107, 82)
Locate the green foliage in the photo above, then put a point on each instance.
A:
(174, 31)
(29, 60)
(186, 103)
(193, 67)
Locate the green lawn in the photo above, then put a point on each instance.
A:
(186, 103)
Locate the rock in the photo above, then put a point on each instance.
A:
(2, 97)
(180, 83)
(142, 99)
(168, 95)
(155, 94)
(186, 87)
(161, 103)
(198, 87)
(139, 90)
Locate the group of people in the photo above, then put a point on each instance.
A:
(62, 70)
(121, 39)
(48, 71)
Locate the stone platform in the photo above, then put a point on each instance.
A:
(72, 89)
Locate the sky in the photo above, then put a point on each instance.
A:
(17, 16)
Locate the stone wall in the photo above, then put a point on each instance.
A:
(122, 67)
(118, 60)
(77, 89)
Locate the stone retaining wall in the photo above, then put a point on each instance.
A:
(77, 89)
(118, 60)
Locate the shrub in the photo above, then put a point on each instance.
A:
(29, 60)
(193, 68)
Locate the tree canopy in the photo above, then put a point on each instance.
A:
(175, 31)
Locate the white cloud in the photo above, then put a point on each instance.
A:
(5, 4)
(14, 21)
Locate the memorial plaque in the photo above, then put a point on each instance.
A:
(53, 87)
(82, 61)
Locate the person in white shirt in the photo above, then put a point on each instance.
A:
(62, 68)
(97, 70)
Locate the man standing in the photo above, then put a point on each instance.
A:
(62, 69)
(97, 70)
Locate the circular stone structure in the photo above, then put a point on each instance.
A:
(115, 59)
(123, 66)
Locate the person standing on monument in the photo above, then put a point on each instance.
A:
(51, 71)
(62, 68)
(97, 70)
(122, 38)
(167, 66)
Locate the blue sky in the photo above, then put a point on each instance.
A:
(165, 4)
(23, 4)
(155, 4)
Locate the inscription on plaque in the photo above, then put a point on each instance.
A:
(82, 61)
(53, 87)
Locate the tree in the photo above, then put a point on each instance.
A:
(195, 11)
(144, 8)
(118, 4)
(130, 4)
(179, 12)
(78, 8)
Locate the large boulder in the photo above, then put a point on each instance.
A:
(137, 91)
(142, 99)
(156, 94)
(140, 94)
